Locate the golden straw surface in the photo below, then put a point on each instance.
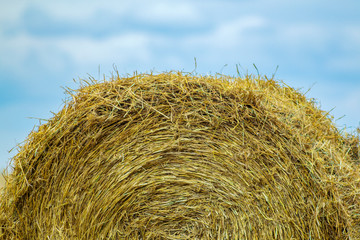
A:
(183, 156)
(2, 181)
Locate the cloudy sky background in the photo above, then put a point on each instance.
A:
(44, 45)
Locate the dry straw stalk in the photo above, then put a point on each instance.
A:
(182, 156)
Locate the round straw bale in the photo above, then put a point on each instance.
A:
(181, 156)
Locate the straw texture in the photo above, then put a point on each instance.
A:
(182, 156)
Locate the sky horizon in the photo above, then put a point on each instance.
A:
(45, 45)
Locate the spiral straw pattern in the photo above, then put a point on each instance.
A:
(183, 156)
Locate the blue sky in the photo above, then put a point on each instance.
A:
(44, 45)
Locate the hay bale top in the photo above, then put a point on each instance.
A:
(181, 156)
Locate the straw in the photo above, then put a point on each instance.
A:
(184, 156)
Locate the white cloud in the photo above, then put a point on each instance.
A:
(66, 9)
(20, 50)
(85, 50)
(11, 11)
(300, 34)
(250, 36)
(53, 53)
(227, 34)
(168, 12)
(160, 12)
